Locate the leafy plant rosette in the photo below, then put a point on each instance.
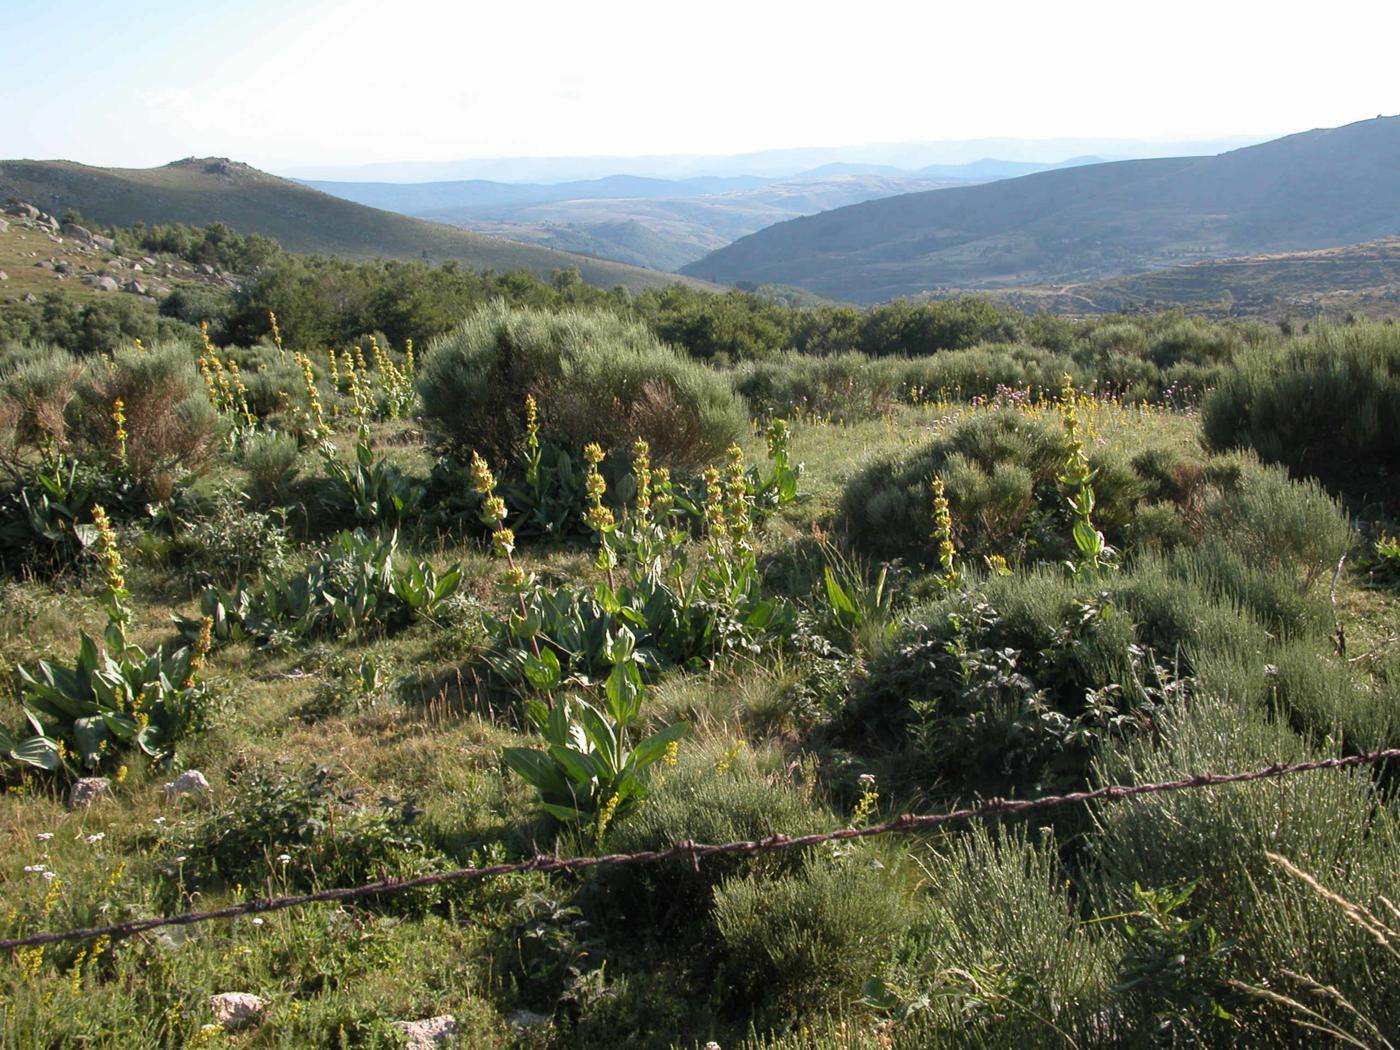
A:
(106, 703)
(114, 696)
(588, 770)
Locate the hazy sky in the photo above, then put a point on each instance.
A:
(282, 83)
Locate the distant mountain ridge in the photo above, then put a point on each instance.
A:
(656, 223)
(425, 198)
(1318, 189)
(772, 163)
(301, 219)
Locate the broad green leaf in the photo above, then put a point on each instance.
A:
(565, 813)
(654, 746)
(88, 735)
(38, 751)
(579, 768)
(536, 768)
(836, 595)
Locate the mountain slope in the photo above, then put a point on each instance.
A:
(301, 219)
(427, 198)
(1317, 189)
(1358, 278)
(678, 229)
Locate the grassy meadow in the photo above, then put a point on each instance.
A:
(548, 584)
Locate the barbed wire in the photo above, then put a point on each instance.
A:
(694, 852)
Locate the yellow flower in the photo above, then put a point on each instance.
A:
(943, 534)
(482, 479)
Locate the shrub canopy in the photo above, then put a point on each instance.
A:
(595, 377)
(1326, 406)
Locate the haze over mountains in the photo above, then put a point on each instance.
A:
(1317, 189)
(902, 157)
(658, 223)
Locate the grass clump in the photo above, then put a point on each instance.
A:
(595, 378)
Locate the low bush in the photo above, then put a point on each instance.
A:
(594, 376)
(1001, 471)
(301, 830)
(983, 371)
(1017, 683)
(805, 942)
(1332, 824)
(708, 796)
(979, 973)
(1325, 406)
(169, 423)
(229, 543)
(272, 461)
(1281, 525)
(841, 388)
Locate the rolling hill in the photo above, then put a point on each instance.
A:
(1319, 189)
(659, 224)
(1363, 279)
(301, 219)
(426, 198)
(668, 232)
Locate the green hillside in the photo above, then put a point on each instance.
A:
(200, 191)
(669, 232)
(1318, 189)
(1361, 279)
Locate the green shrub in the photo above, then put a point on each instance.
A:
(802, 943)
(1000, 469)
(312, 818)
(169, 422)
(841, 388)
(1325, 406)
(1193, 341)
(230, 543)
(36, 385)
(985, 974)
(984, 371)
(1327, 699)
(595, 377)
(1014, 684)
(1332, 824)
(712, 797)
(1281, 525)
(272, 461)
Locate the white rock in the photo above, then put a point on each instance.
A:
(431, 1033)
(190, 782)
(236, 1010)
(88, 790)
(527, 1019)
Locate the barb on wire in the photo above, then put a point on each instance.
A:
(693, 852)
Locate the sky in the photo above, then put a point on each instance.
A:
(283, 84)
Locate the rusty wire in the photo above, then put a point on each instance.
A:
(694, 852)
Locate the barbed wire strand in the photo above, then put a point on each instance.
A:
(694, 852)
